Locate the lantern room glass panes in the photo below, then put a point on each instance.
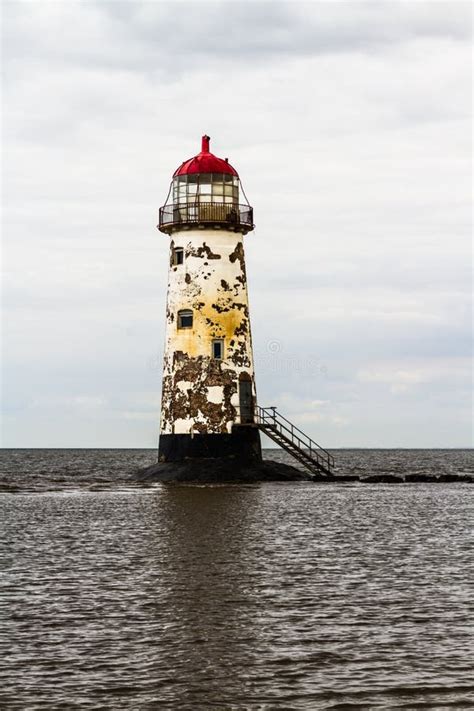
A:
(199, 188)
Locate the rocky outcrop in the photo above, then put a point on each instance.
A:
(221, 471)
(227, 470)
(382, 479)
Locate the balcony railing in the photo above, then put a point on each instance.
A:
(187, 215)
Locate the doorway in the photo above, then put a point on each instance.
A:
(245, 398)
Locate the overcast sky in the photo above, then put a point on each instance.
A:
(349, 124)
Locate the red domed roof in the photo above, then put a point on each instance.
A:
(205, 162)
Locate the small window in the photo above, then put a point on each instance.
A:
(218, 348)
(185, 318)
(178, 255)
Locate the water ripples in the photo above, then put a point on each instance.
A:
(266, 597)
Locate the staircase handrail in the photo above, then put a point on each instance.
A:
(270, 413)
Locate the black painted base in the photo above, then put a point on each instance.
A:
(242, 444)
(217, 458)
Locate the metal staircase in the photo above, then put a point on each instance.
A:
(293, 440)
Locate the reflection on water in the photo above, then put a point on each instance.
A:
(209, 587)
(239, 597)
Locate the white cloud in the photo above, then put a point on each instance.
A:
(402, 376)
(350, 126)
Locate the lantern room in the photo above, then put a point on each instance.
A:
(205, 192)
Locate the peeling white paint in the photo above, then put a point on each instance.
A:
(183, 426)
(212, 283)
(215, 394)
(184, 385)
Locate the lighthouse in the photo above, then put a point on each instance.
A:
(210, 421)
(208, 393)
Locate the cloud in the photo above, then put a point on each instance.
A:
(405, 375)
(350, 125)
(153, 37)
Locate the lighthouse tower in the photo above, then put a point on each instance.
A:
(208, 396)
